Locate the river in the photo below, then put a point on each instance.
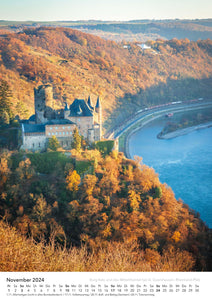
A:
(184, 163)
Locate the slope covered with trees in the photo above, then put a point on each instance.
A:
(109, 203)
(79, 64)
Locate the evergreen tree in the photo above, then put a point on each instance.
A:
(5, 99)
(76, 144)
(54, 143)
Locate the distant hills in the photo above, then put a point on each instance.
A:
(150, 29)
(123, 74)
(139, 30)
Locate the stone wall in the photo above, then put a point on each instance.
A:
(83, 124)
(66, 142)
(60, 130)
(43, 103)
(97, 132)
(34, 142)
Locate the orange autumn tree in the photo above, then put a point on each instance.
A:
(73, 181)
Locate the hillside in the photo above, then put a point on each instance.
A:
(80, 64)
(19, 254)
(98, 205)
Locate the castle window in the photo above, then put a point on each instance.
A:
(56, 133)
(59, 133)
(50, 128)
(49, 133)
(63, 132)
(55, 127)
(66, 132)
(63, 127)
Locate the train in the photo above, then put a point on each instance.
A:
(123, 124)
(168, 104)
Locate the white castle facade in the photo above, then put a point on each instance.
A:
(48, 122)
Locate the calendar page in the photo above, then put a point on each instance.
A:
(106, 149)
(188, 285)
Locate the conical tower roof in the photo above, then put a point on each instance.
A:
(89, 103)
(98, 103)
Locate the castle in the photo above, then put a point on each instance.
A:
(48, 122)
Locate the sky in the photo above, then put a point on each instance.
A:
(117, 10)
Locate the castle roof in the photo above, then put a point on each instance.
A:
(30, 128)
(32, 118)
(59, 122)
(98, 104)
(89, 103)
(40, 128)
(66, 106)
(80, 108)
(26, 121)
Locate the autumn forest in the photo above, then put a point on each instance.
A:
(80, 65)
(91, 208)
(88, 204)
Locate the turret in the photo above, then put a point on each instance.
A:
(65, 106)
(98, 110)
(98, 106)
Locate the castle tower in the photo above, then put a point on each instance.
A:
(43, 103)
(98, 109)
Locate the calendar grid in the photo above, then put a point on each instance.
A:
(105, 285)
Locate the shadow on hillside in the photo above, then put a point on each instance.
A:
(173, 90)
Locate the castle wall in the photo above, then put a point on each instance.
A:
(34, 142)
(65, 142)
(97, 132)
(60, 130)
(83, 124)
(63, 132)
(39, 117)
(91, 135)
(43, 103)
(98, 116)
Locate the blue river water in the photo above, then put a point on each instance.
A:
(184, 163)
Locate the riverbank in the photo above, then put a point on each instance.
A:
(125, 131)
(131, 132)
(183, 131)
